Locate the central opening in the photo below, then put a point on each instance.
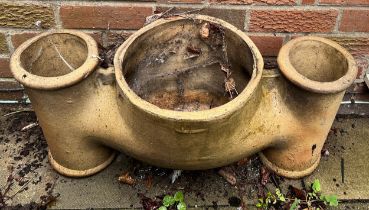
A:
(188, 65)
(54, 55)
(318, 61)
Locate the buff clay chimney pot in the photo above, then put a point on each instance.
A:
(86, 112)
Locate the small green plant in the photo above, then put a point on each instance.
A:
(311, 200)
(177, 200)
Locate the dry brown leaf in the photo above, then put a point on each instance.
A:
(127, 179)
(148, 182)
(265, 174)
(193, 49)
(228, 174)
(243, 161)
(205, 31)
(230, 86)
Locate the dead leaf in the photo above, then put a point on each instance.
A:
(300, 194)
(265, 174)
(156, 16)
(152, 18)
(193, 50)
(243, 161)
(230, 86)
(228, 174)
(148, 203)
(205, 31)
(148, 182)
(127, 179)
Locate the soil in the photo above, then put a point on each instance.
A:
(24, 161)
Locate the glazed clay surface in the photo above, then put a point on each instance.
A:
(86, 114)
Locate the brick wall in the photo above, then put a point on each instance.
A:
(269, 23)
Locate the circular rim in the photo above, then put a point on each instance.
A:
(287, 173)
(298, 79)
(49, 83)
(79, 173)
(205, 115)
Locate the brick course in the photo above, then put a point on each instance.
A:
(25, 15)
(268, 45)
(4, 68)
(3, 44)
(180, 1)
(308, 1)
(269, 23)
(345, 2)
(19, 38)
(11, 90)
(292, 20)
(255, 2)
(354, 20)
(235, 17)
(104, 17)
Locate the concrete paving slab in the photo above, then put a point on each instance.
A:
(23, 159)
(345, 171)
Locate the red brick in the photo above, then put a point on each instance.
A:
(11, 90)
(355, 21)
(268, 45)
(25, 15)
(345, 2)
(10, 86)
(180, 1)
(12, 95)
(357, 46)
(270, 2)
(235, 17)
(362, 66)
(4, 68)
(3, 44)
(357, 88)
(104, 17)
(308, 2)
(97, 36)
(293, 20)
(18, 39)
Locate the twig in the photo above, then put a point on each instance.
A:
(20, 190)
(187, 12)
(155, 17)
(29, 126)
(16, 112)
(61, 57)
(8, 187)
(175, 175)
(167, 11)
(98, 57)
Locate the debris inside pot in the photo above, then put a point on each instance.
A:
(188, 65)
